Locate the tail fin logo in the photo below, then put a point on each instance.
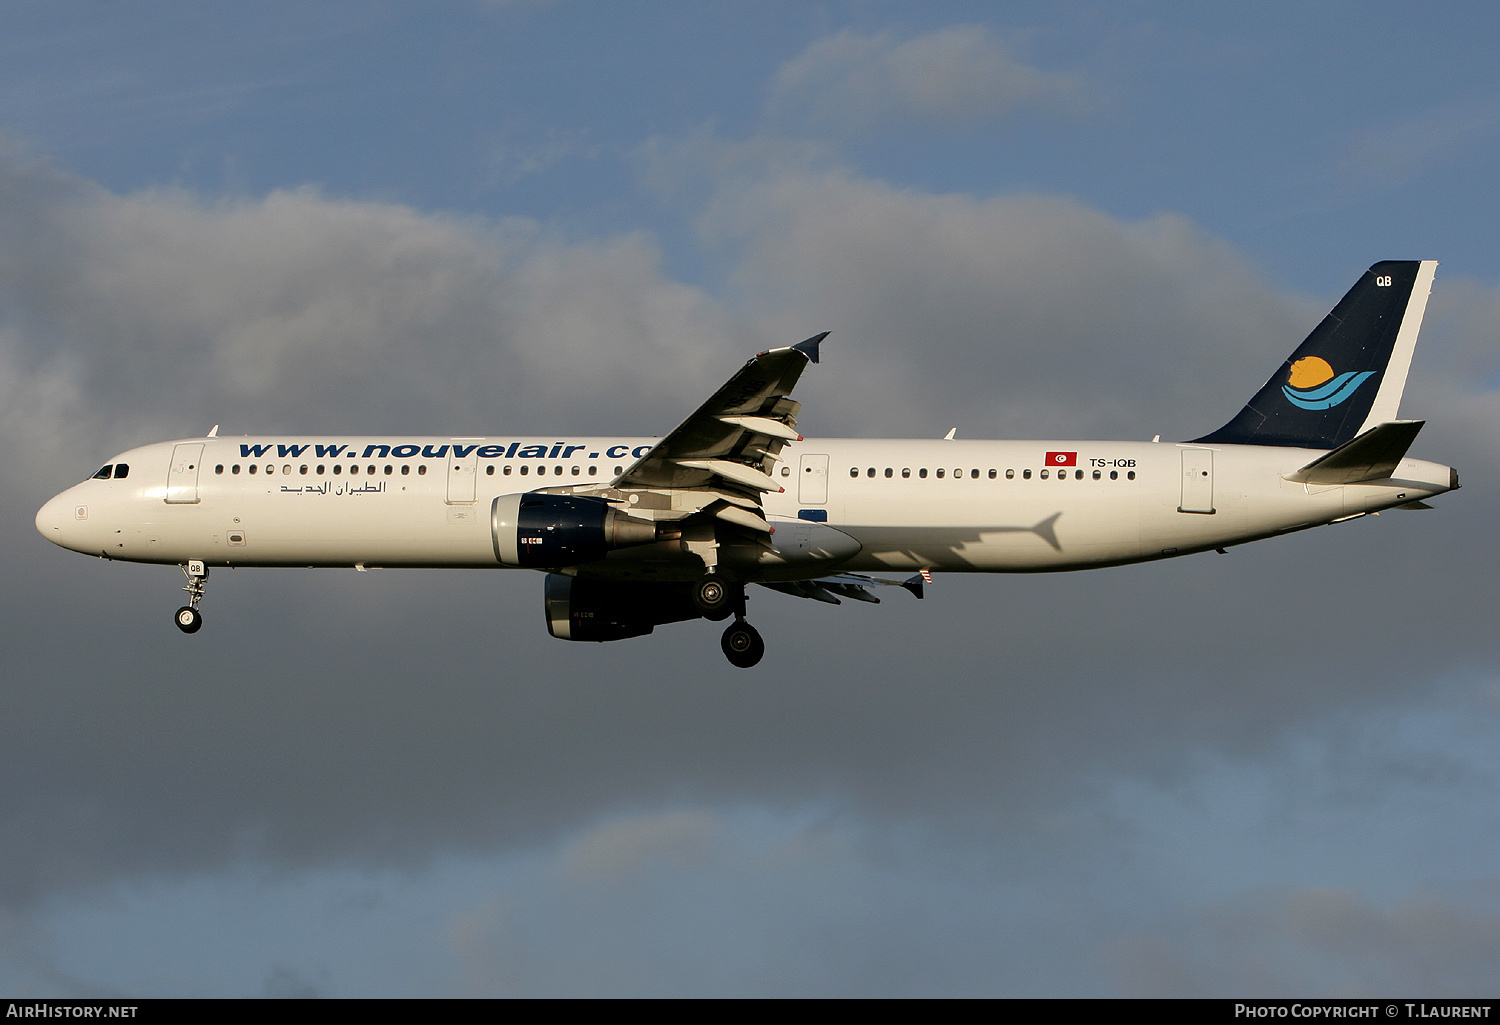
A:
(1312, 384)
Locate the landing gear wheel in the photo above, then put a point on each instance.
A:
(189, 620)
(742, 645)
(712, 596)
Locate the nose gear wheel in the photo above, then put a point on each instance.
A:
(188, 619)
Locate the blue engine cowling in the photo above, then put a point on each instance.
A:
(538, 530)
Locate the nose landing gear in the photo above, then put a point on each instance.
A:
(189, 620)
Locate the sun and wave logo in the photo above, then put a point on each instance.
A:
(1312, 384)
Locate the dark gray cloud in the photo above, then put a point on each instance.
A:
(1333, 941)
(326, 718)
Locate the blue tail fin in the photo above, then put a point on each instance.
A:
(1350, 372)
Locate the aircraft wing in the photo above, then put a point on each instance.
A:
(849, 585)
(731, 442)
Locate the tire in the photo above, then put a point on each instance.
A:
(712, 596)
(742, 645)
(189, 620)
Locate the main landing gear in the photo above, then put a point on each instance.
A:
(189, 619)
(742, 644)
(718, 599)
(715, 598)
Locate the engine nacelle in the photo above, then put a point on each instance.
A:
(536, 530)
(585, 609)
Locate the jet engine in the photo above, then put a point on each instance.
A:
(585, 609)
(536, 530)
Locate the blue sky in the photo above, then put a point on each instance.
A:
(1271, 773)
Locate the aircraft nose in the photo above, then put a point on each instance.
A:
(54, 519)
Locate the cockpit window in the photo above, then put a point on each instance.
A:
(122, 470)
(103, 473)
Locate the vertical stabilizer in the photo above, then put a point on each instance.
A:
(1349, 373)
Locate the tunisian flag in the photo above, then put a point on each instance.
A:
(1062, 458)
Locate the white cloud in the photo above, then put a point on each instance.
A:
(851, 82)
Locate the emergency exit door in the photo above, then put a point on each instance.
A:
(1197, 481)
(812, 480)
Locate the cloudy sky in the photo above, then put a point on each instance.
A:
(1269, 773)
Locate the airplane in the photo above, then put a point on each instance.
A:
(634, 533)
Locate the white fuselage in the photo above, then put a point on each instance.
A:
(984, 506)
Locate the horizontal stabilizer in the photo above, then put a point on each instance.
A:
(1374, 455)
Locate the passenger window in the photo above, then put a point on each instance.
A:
(504, 472)
(576, 471)
(286, 469)
(1010, 474)
(1114, 474)
(354, 469)
(422, 470)
(270, 468)
(1096, 475)
(318, 471)
(870, 472)
(786, 471)
(994, 474)
(1130, 475)
(594, 471)
(525, 469)
(1044, 475)
(252, 467)
(303, 470)
(370, 469)
(957, 473)
(1078, 475)
(889, 472)
(975, 473)
(940, 472)
(619, 470)
(922, 472)
(406, 469)
(235, 468)
(337, 469)
(853, 471)
(103, 472)
(388, 469)
(1026, 474)
(541, 471)
(219, 468)
(489, 470)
